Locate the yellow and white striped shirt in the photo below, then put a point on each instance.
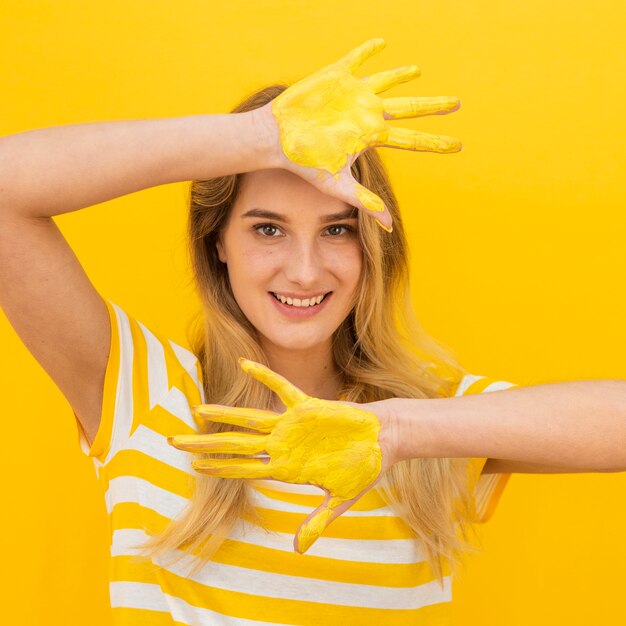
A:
(366, 568)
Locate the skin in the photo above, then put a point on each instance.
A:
(301, 253)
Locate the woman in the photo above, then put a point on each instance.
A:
(395, 468)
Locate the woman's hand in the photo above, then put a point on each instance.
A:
(338, 446)
(327, 119)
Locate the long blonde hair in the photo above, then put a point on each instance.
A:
(380, 348)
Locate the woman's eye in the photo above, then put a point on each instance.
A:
(269, 230)
(339, 229)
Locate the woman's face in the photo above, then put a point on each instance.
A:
(286, 239)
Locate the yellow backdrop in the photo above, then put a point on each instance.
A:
(517, 242)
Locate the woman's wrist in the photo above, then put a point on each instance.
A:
(266, 138)
(413, 434)
(405, 432)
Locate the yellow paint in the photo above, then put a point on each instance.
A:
(369, 199)
(389, 230)
(327, 119)
(521, 101)
(314, 442)
(311, 529)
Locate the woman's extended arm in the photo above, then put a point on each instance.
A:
(577, 426)
(344, 447)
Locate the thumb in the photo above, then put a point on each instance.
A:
(374, 206)
(345, 187)
(315, 524)
(369, 200)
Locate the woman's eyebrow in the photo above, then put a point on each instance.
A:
(352, 212)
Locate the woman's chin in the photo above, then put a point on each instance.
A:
(295, 344)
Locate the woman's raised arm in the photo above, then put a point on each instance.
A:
(58, 170)
(316, 129)
(44, 291)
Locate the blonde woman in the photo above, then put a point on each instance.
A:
(339, 467)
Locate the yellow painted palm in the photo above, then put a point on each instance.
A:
(333, 445)
(330, 117)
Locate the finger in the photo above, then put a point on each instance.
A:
(369, 200)
(386, 227)
(315, 524)
(288, 393)
(360, 54)
(233, 468)
(398, 108)
(414, 140)
(374, 206)
(220, 443)
(264, 421)
(385, 80)
(346, 188)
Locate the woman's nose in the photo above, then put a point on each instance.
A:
(303, 264)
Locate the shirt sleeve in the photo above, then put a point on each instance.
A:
(487, 488)
(142, 368)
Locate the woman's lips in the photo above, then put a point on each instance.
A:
(297, 312)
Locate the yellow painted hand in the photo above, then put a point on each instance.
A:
(333, 445)
(327, 119)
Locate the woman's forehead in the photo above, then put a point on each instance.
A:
(283, 192)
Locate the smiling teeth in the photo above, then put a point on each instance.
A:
(300, 303)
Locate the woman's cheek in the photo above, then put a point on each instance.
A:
(258, 259)
(349, 260)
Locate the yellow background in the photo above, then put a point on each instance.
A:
(517, 243)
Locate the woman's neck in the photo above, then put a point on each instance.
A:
(312, 371)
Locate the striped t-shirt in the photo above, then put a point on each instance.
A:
(366, 568)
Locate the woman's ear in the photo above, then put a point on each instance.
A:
(220, 250)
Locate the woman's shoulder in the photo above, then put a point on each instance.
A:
(148, 344)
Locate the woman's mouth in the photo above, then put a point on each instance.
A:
(300, 307)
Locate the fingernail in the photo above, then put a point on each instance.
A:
(456, 104)
(389, 229)
(452, 145)
(414, 70)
